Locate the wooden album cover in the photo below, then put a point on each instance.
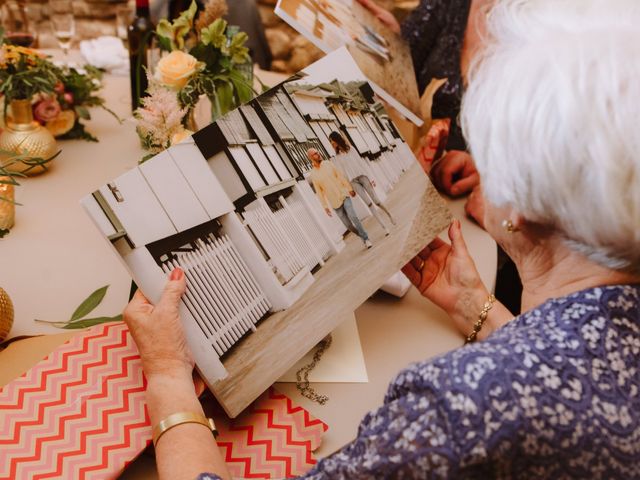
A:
(382, 55)
(280, 236)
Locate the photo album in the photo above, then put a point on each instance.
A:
(382, 55)
(286, 214)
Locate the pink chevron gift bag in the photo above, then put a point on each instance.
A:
(79, 413)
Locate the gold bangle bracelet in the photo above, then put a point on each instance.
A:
(482, 317)
(180, 418)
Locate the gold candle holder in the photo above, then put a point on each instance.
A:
(7, 207)
(6, 314)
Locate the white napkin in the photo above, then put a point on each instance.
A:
(107, 53)
(398, 285)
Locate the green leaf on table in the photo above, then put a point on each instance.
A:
(89, 304)
(90, 322)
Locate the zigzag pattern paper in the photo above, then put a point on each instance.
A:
(78, 414)
(273, 438)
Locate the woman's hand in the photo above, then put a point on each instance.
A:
(455, 173)
(158, 332)
(385, 16)
(447, 275)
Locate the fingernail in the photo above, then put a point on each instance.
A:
(176, 274)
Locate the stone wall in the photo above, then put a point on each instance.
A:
(291, 51)
(93, 19)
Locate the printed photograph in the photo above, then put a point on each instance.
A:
(285, 214)
(382, 55)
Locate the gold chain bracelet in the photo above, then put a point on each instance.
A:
(481, 319)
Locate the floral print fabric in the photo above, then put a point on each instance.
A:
(552, 395)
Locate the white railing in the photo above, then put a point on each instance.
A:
(279, 237)
(222, 295)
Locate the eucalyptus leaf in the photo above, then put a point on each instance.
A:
(89, 304)
(90, 322)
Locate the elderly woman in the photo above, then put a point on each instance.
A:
(555, 392)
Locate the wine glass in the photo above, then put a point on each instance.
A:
(62, 23)
(15, 21)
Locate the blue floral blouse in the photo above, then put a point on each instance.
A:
(554, 394)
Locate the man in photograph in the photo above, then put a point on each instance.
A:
(334, 192)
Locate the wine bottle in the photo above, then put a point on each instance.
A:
(140, 35)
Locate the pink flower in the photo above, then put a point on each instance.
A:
(68, 97)
(59, 88)
(46, 110)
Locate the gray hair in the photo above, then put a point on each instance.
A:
(551, 114)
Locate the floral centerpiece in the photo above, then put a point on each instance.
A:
(24, 72)
(63, 110)
(204, 58)
(60, 96)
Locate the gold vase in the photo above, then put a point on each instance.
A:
(7, 207)
(24, 136)
(6, 315)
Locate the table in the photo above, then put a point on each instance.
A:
(54, 257)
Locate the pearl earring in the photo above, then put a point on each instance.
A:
(508, 226)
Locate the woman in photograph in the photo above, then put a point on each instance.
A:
(555, 392)
(334, 192)
(355, 168)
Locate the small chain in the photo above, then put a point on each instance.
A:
(302, 375)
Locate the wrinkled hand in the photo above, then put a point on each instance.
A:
(385, 16)
(446, 275)
(158, 332)
(455, 174)
(474, 207)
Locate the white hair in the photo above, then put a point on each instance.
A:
(552, 116)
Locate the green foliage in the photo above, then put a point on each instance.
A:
(215, 36)
(173, 34)
(89, 304)
(83, 85)
(24, 73)
(24, 162)
(78, 318)
(79, 132)
(221, 49)
(237, 51)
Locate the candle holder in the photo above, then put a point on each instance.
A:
(6, 314)
(7, 205)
